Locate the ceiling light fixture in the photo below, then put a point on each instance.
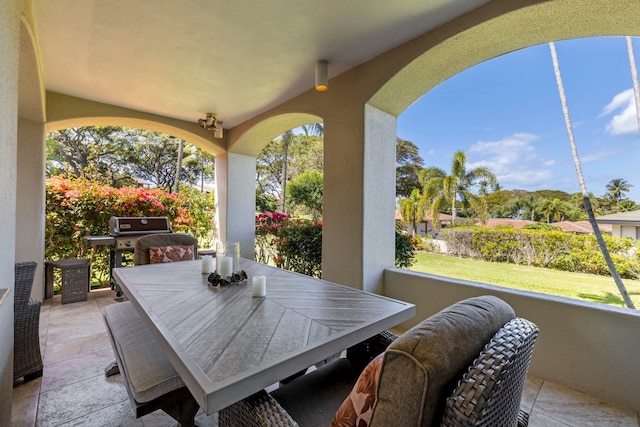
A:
(322, 75)
(211, 123)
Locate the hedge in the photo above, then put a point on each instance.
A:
(539, 248)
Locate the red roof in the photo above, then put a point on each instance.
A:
(583, 227)
(567, 226)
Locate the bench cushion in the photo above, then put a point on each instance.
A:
(146, 367)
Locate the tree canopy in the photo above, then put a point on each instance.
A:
(119, 157)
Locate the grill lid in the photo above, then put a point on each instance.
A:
(122, 226)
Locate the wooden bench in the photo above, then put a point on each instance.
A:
(151, 381)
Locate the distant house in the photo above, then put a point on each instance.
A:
(426, 227)
(623, 224)
(576, 227)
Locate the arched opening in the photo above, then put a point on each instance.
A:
(95, 173)
(505, 116)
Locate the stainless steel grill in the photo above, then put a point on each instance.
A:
(123, 233)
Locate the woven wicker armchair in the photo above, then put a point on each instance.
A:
(465, 366)
(142, 246)
(27, 360)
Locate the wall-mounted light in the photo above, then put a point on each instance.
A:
(211, 123)
(218, 133)
(322, 75)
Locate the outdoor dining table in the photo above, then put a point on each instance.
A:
(226, 344)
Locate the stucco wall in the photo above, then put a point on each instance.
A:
(30, 199)
(9, 48)
(589, 347)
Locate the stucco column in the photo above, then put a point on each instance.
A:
(359, 198)
(236, 200)
(9, 52)
(30, 199)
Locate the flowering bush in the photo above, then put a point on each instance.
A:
(296, 245)
(76, 208)
(292, 244)
(270, 227)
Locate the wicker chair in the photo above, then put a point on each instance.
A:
(464, 366)
(27, 360)
(142, 246)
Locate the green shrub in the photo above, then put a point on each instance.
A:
(296, 244)
(405, 251)
(292, 244)
(300, 248)
(540, 248)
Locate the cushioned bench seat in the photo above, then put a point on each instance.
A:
(151, 380)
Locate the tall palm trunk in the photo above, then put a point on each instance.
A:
(179, 164)
(583, 187)
(286, 139)
(634, 79)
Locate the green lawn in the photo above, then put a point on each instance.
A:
(586, 287)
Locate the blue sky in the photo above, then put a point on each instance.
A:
(506, 114)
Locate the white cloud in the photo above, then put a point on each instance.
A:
(620, 100)
(514, 160)
(597, 156)
(625, 121)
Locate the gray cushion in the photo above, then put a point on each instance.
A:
(142, 244)
(421, 368)
(146, 367)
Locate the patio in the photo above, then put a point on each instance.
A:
(74, 390)
(59, 74)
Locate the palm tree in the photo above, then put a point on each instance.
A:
(583, 187)
(313, 129)
(443, 189)
(617, 190)
(530, 204)
(634, 78)
(412, 209)
(286, 140)
(555, 210)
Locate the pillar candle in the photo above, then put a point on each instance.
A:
(225, 266)
(259, 288)
(207, 264)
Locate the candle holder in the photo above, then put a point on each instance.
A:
(214, 279)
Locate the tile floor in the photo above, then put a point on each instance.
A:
(75, 392)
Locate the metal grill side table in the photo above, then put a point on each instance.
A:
(75, 279)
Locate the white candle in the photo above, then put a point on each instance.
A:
(259, 287)
(225, 266)
(207, 264)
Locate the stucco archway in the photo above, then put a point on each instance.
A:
(66, 111)
(497, 29)
(252, 140)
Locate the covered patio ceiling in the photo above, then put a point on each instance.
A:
(235, 59)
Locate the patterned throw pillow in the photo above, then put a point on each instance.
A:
(357, 408)
(173, 253)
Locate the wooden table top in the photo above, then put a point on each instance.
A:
(227, 345)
